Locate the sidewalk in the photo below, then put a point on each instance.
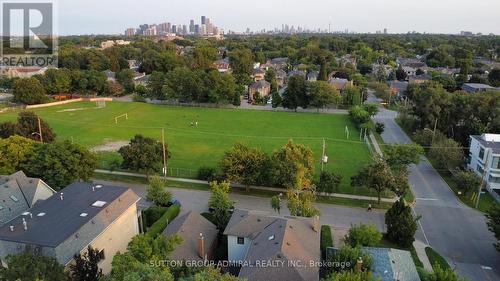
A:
(263, 188)
(422, 256)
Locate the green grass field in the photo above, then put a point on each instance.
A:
(218, 129)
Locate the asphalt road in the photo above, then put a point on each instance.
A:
(197, 200)
(456, 231)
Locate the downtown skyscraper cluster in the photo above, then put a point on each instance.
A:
(204, 28)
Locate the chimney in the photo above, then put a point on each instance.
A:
(316, 224)
(62, 196)
(12, 228)
(25, 225)
(359, 264)
(201, 246)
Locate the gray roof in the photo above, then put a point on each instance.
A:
(285, 239)
(260, 84)
(480, 86)
(297, 72)
(495, 146)
(18, 193)
(63, 218)
(392, 264)
(312, 74)
(401, 86)
(189, 225)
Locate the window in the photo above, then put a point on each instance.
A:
(481, 153)
(496, 163)
(494, 179)
(241, 241)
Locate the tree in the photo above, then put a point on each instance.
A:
(276, 100)
(401, 225)
(220, 203)
(377, 176)
(245, 165)
(402, 155)
(156, 191)
(241, 61)
(204, 55)
(493, 216)
(328, 183)
(467, 180)
(363, 235)
(276, 203)
(85, 267)
(8, 129)
(349, 256)
(322, 94)
(56, 81)
(13, 152)
(359, 115)
(379, 128)
(288, 161)
(350, 276)
(447, 153)
(371, 108)
(27, 126)
(28, 91)
(296, 93)
(60, 163)
(494, 77)
(143, 154)
(126, 79)
(211, 274)
(351, 96)
(323, 72)
(30, 266)
(446, 274)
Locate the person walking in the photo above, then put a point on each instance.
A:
(369, 208)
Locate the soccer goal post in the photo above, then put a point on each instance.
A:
(121, 117)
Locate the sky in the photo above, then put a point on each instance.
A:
(398, 16)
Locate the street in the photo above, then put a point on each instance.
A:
(456, 231)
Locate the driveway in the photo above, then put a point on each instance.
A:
(452, 228)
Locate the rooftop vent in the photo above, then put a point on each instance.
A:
(271, 238)
(12, 228)
(83, 215)
(62, 196)
(99, 204)
(14, 198)
(40, 214)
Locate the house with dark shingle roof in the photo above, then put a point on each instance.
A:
(287, 245)
(198, 234)
(18, 193)
(80, 215)
(260, 88)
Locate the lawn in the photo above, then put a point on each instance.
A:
(192, 147)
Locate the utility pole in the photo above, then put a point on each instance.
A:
(435, 128)
(483, 181)
(323, 156)
(164, 154)
(40, 129)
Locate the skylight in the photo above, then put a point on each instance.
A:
(98, 204)
(271, 237)
(40, 214)
(14, 198)
(83, 215)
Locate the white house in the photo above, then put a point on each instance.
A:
(484, 154)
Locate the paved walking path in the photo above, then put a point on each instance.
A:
(263, 188)
(422, 256)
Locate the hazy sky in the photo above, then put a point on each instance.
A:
(398, 16)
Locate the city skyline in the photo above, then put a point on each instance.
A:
(81, 17)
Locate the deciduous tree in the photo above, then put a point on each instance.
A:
(143, 154)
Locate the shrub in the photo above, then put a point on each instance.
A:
(379, 128)
(467, 180)
(138, 98)
(152, 214)
(348, 256)
(401, 225)
(436, 259)
(363, 235)
(326, 237)
(161, 224)
(207, 174)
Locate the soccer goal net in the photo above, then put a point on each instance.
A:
(123, 116)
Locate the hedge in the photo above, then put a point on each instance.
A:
(436, 258)
(162, 223)
(151, 215)
(326, 237)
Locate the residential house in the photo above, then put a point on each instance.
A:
(340, 84)
(133, 64)
(297, 72)
(21, 72)
(261, 88)
(291, 243)
(281, 78)
(223, 65)
(398, 88)
(312, 76)
(112, 43)
(258, 74)
(478, 88)
(279, 63)
(392, 264)
(65, 224)
(410, 71)
(484, 159)
(19, 193)
(141, 79)
(385, 69)
(419, 79)
(411, 62)
(198, 234)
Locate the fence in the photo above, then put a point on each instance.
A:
(182, 173)
(190, 104)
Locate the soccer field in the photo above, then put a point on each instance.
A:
(218, 129)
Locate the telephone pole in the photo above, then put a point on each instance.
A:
(323, 155)
(40, 129)
(483, 181)
(164, 154)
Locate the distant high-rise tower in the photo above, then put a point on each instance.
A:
(191, 26)
(385, 30)
(203, 20)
